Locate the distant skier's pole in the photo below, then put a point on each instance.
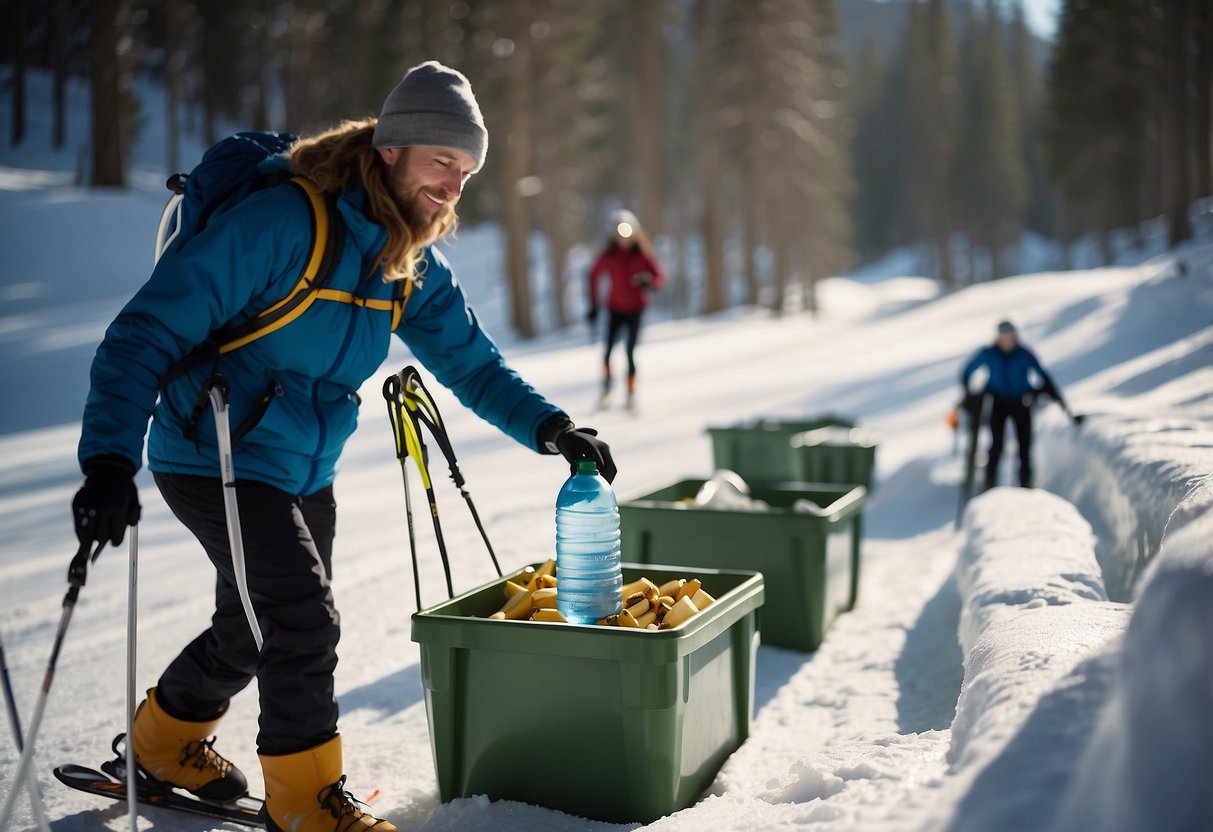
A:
(76, 575)
(132, 612)
(974, 411)
(14, 719)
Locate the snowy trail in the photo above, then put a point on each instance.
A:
(854, 736)
(862, 724)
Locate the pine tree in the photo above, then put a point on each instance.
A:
(1027, 82)
(781, 91)
(109, 24)
(711, 208)
(1099, 113)
(874, 150)
(993, 175)
(931, 120)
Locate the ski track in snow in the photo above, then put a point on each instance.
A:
(855, 736)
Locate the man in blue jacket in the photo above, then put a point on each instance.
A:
(1012, 391)
(396, 181)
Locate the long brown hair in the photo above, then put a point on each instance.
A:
(333, 158)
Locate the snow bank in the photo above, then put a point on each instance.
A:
(1147, 439)
(1035, 629)
(1150, 764)
(1127, 475)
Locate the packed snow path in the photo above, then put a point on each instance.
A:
(854, 736)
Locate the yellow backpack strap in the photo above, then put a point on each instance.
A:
(328, 238)
(401, 301)
(327, 241)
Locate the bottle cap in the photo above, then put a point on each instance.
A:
(587, 466)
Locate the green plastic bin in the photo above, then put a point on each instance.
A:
(607, 723)
(810, 561)
(760, 451)
(833, 455)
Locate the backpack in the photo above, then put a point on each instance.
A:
(228, 173)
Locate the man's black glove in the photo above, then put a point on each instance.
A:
(108, 501)
(592, 315)
(971, 402)
(559, 435)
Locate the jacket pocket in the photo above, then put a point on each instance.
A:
(272, 391)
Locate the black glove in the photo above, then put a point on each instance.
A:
(108, 501)
(971, 402)
(644, 280)
(592, 315)
(559, 435)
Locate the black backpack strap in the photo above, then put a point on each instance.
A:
(328, 240)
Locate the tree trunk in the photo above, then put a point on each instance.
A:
(648, 113)
(939, 152)
(515, 164)
(264, 67)
(1106, 251)
(710, 201)
(1202, 111)
(107, 96)
(752, 166)
(778, 228)
(20, 25)
(172, 83)
(995, 261)
(554, 228)
(1179, 227)
(676, 292)
(62, 47)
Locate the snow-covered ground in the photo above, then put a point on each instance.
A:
(865, 733)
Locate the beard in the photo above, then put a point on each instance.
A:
(425, 221)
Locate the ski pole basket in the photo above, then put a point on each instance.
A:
(608, 723)
(809, 559)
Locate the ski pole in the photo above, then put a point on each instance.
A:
(132, 612)
(426, 410)
(414, 445)
(10, 703)
(77, 573)
(975, 412)
(218, 391)
(395, 414)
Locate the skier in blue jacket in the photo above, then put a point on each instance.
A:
(294, 404)
(1010, 386)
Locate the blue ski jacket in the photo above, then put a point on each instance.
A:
(1008, 371)
(245, 260)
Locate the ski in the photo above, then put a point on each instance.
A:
(112, 784)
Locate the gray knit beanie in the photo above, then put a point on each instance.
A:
(433, 106)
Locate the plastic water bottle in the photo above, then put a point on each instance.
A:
(587, 547)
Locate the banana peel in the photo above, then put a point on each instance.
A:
(544, 598)
(682, 611)
(518, 607)
(531, 596)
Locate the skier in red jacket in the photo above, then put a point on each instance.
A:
(630, 263)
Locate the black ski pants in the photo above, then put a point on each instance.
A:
(288, 545)
(616, 324)
(1021, 415)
